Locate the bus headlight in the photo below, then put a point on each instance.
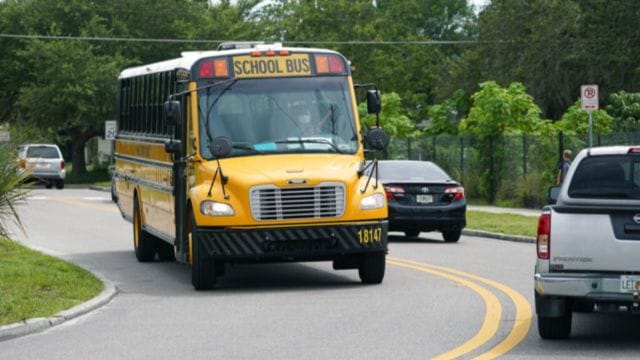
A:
(375, 201)
(212, 208)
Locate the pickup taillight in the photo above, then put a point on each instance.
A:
(62, 165)
(543, 241)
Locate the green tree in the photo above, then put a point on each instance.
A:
(71, 90)
(497, 111)
(68, 88)
(407, 69)
(392, 118)
(444, 117)
(576, 121)
(624, 107)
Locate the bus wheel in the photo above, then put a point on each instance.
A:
(143, 242)
(203, 275)
(165, 251)
(371, 268)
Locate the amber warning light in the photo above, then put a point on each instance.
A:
(214, 68)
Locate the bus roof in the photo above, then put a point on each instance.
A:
(189, 58)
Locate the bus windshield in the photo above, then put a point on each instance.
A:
(276, 116)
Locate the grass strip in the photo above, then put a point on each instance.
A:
(36, 285)
(511, 224)
(92, 176)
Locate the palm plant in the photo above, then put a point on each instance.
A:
(11, 188)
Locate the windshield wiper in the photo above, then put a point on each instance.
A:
(302, 141)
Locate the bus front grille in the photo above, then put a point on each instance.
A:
(269, 202)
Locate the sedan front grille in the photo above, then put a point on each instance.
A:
(269, 202)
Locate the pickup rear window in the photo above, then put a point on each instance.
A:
(607, 177)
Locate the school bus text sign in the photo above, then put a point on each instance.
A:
(255, 67)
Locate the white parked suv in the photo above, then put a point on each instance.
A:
(45, 163)
(588, 243)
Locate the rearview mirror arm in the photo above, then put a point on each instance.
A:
(374, 167)
(223, 180)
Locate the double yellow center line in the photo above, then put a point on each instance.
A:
(493, 313)
(480, 285)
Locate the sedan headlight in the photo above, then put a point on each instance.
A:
(375, 201)
(212, 208)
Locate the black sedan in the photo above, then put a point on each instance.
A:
(423, 197)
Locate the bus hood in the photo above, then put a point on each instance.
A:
(287, 170)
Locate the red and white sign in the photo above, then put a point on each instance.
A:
(589, 97)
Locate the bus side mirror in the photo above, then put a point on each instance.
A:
(552, 195)
(220, 146)
(173, 147)
(173, 112)
(374, 104)
(377, 139)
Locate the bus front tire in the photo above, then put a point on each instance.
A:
(143, 242)
(203, 271)
(371, 268)
(165, 251)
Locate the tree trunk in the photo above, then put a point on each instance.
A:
(77, 152)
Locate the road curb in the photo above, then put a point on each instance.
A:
(99, 188)
(499, 236)
(35, 325)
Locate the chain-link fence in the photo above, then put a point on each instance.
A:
(509, 170)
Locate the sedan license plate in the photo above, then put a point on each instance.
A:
(424, 199)
(629, 283)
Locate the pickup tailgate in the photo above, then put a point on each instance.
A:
(591, 239)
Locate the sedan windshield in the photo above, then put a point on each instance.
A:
(296, 115)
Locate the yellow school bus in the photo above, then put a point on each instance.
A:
(250, 153)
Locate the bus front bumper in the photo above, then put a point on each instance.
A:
(304, 243)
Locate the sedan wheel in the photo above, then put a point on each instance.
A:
(452, 234)
(411, 233)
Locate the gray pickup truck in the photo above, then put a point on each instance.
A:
(588, 242)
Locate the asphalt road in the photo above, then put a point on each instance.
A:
(470, 299)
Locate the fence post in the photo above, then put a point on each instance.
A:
(492, 171)
(461, 158)
(433, 144)
(524, 154)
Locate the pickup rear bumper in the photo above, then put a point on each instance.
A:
(589, 286)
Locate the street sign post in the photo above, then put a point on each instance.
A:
(110, 129)
(589, 101)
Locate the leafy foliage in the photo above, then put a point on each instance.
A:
(576, 121)
(11, 190)
(444, 117)
(552, 47)
(497, 110)
(625, 109)
(392, 118)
